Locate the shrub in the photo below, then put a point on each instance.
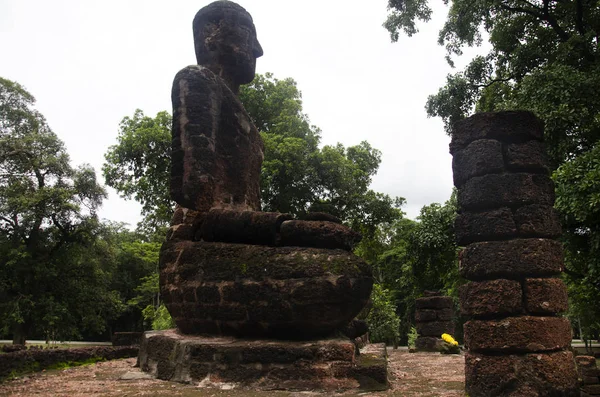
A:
(384, 323)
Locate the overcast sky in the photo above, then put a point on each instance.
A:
(90, 63)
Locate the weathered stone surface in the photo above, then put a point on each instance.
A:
(434, 302)
(321, 216)
(213, 141)
(428, 343)
(592, 390)
(518, 334)
(126, 338)
(548, 374)
(329, 364)
(355, 329)
(500, 190)
(244, 227)
(481, 157)
(252, 290)
(537, 221)
(510, 126)
(489, 298)
(545, 296)
(17, 361)
(586, 361)
(487, 225)
(527, 157)
(371, 368)
(512, 258)
(590, 380)
(318, 234)
(423, 315)
(435, 328)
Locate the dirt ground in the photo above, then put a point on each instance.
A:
(411, 374)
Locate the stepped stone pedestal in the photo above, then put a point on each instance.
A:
(518, 343)
(226, 362)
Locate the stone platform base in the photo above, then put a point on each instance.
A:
(227, 362)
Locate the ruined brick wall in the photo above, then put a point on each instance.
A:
(517, 341)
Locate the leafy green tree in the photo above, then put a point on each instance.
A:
(138, 166)
(48, 281)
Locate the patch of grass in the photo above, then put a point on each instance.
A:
(69, 364)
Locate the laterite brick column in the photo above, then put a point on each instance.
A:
(433, 317)
(518, 344)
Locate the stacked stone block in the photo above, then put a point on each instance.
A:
(589, 375)
(517, 341)
(433, 317)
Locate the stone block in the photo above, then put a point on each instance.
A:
(545, 296)
(435, 328)
(481, 157)
(585, 361)
(318, 234)
(501, 190)
(329, 364)
(518, 334)
(512, 258)
(487, 225)
(434, 302)
(428, 343)
(590, 380)
(243, 227)
(425, 315)
(589, 372)
(593, 390)
(371, 368)
(537, 221)
(321, 216)
(126, 338)
(529, 156)
(547, 374)
(491, 298)
(508, 126)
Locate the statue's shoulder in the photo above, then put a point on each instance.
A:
(197, 74)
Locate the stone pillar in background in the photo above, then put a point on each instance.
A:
(518, 344)
(589, 375)
(433, 317)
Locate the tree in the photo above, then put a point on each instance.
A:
(544, 58)
(48, 281)
(296, 176)
(138, 166)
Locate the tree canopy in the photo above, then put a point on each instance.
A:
(51, 276)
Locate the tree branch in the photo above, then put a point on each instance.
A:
(564, 36)
(579, 17)
(538, 14)
(492, 82)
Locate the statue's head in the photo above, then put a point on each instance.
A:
(225, 41)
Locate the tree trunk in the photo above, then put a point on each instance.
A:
(19, 334)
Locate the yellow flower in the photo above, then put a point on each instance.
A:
(449, 339)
